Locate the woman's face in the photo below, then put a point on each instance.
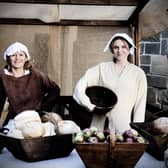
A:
(18, 60)
(120, 49)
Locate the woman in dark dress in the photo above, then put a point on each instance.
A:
(24, 87)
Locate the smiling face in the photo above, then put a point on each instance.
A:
(120, 49)
(18, 60)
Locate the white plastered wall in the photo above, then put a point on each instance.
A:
(63, 52)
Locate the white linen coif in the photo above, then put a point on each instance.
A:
(16, 47)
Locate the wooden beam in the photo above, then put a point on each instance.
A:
(64, 22)
(140, 6)
(75, 22)
(93, 23)
(134, 24)
(78, 2)
(136, 35)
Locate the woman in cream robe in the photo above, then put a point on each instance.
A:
(125, 79)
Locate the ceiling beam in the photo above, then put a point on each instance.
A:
(78, 2)
(64, 22)
(137, 3)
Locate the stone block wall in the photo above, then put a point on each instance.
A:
(154, 61)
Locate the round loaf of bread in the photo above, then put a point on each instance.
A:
(26, 116)
(49, 129)
(33, 129)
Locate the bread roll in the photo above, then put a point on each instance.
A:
(67, 127)
(33, 129)
(49, 129)
(26, 116)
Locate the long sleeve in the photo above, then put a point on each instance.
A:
(51, 93)
(140, 104)
(90, 78)
(2, 97)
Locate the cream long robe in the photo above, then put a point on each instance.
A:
(130, 87)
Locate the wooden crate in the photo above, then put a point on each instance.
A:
(103, 155)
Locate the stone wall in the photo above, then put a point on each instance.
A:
(154, 61)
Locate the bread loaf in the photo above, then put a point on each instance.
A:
(26, 116)
(33, 129)
(49, 129)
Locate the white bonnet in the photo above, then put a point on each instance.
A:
(124, 36)
(13, 48)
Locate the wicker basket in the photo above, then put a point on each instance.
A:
(37, 149)
(157, 143)
(103, 155)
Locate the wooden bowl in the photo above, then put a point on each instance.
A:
(37, 149)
